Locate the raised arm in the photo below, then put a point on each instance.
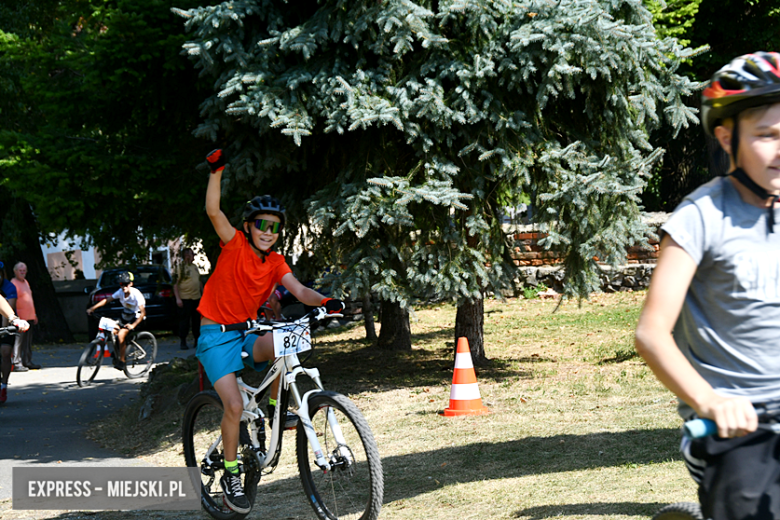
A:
(654, 342)
(213, 195)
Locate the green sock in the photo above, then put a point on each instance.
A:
(272, 402)
(232, 466)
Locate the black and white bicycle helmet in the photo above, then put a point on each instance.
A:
(125, 277)
(265, 204)
(748, 81)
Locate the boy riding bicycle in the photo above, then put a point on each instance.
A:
(710, 328)
(133, 311)
(246, 274)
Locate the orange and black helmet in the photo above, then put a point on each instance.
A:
(748, 81)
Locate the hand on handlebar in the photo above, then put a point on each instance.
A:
(333, 306)
(734, 417)
(20, 324)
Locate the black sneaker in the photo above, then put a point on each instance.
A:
(119, 365)
(233, 493)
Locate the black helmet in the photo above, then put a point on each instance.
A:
(125, 277)
(265, 204)
(748, 81)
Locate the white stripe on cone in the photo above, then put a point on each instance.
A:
(463, 360)
(464, 392)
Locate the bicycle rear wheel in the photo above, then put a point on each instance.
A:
(140, 354)
(354, 486)
(200, 430)
(680, 511)
(89, 363)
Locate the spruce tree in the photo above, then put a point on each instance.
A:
(403, 129)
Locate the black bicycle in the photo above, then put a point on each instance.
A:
(697, 429)
(140, 352)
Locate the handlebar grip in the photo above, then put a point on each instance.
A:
(236, 326)
(698, 428)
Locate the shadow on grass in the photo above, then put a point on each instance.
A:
(410, 475)
(414, 475)
(597, 508)
(363, 367)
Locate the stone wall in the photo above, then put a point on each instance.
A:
(540, 266)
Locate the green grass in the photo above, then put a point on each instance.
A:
(579, 427)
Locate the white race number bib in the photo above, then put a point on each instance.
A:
(291, 339)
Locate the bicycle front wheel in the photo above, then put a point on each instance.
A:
(140, 354)
(89, 363)
(202, 443)
(680, 511)
(354, 486)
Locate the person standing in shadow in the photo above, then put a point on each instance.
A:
(186, 287)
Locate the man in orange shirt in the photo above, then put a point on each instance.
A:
(25, 308)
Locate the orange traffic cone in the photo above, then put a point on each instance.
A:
(464, 396)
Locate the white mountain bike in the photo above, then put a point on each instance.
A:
(338, 459)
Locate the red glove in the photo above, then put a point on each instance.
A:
(216, 160)
(333, 306)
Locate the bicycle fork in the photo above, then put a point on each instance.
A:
(303, 415)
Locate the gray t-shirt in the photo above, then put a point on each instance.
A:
(729, 327)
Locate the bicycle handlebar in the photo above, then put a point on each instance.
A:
(236, 326)
(317, 313)
(9, 330)
(699, 428)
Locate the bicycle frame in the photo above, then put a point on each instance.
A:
(252, 412)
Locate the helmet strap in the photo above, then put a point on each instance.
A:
(263, 254)
(750, 184)
(735, 139)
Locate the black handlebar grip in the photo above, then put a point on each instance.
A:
(236, 326)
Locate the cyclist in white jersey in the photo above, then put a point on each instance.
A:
(133, 311)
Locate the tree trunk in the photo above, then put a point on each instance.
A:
(21, 243)
(469, 322)
(368, 318)
(395, 333)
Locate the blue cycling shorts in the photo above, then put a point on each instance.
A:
(220, 352)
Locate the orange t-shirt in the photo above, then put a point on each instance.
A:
(25, 308)
(241, 282)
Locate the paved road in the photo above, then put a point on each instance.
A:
(45, 419)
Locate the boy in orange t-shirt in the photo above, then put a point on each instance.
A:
(246, 274)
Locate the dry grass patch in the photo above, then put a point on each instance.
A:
(579, 426)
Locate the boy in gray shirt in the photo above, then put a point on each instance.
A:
(710, 328)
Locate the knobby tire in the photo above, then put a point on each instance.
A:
(201, 427)
(680, 511)
(140, 354)
(354, 487)
(89, 364)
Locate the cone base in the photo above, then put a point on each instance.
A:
(452, 412)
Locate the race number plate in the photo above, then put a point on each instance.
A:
(107, 324)
(291, 339)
